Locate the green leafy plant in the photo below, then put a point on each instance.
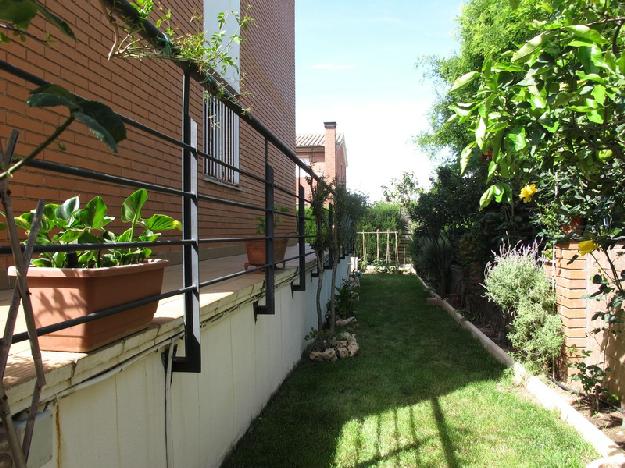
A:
(347, 297)
(211, 54)
(555, 102)
(67, 223)
(592, 378)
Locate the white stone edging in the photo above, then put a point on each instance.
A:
(544, 395)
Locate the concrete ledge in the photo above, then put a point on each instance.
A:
(65, 370)
(544, 395)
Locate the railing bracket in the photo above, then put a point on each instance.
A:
(262, 310)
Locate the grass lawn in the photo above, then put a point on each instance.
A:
(421, 392)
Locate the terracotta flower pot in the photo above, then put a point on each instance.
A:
(59, 294)
(575, 226)
(256, 251)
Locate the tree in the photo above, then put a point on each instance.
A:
(404, 190)
(487, 28)
(553, 107)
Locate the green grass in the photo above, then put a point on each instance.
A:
(421, 392)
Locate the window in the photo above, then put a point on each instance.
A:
(221, 141)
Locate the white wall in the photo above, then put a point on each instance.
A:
(211, 9)
(120, 421)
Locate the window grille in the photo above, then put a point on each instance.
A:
(221, 141)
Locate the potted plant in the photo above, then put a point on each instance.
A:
(255, 248)
(67, 285)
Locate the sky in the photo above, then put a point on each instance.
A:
(356, 65)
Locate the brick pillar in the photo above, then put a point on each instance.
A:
(570, 278)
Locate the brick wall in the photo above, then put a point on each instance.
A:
(150, 92)
(315, 154)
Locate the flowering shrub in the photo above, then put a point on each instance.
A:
(516, 282)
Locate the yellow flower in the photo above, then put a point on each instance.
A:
(586, 247)
(527, 193)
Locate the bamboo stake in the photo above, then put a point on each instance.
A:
(9, 328)
(21, 267)
(364, 249)
(21, 261)
(377, 246)
(388, 247)
(396, 250)
(9, 427)
(17, 452)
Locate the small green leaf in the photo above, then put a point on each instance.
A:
(585, 33)
(528, 48)
(480, 133)
(93, 215)
(24, 221)
(160, 222)
(67, 208)
(487, 197)
(18, 12)
(518, 139)
(131, 208)
(52, 96)
(105, 124)
(465, 156)
(596, 117)
(492, 169)
(125, 236)
(599, 93)
(55, 20)
(464, 80)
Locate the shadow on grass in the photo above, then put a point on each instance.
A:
(410, 353)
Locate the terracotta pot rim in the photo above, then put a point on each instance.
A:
(258, 241)
(49, 272)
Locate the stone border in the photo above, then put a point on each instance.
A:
(544, 395)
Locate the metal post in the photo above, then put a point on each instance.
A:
(301, 233)
(190, 257)
(331, 229)
(269, 307)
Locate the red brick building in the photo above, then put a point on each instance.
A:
(325, 153)
(150, 91)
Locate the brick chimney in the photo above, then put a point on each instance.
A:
(330, 150)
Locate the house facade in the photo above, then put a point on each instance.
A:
(150, 91)
(325, 153)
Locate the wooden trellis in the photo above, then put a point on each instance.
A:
(391, 247)
(21, 295)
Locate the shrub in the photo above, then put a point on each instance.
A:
(433, 257)
(536, 335)
(516, 282)
(513, 275)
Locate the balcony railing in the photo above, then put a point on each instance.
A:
(190, 240)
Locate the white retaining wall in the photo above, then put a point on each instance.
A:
(119, 420)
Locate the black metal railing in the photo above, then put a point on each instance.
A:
(190, 241)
